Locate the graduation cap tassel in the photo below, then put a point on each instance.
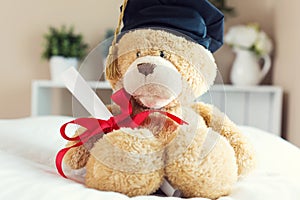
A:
(112, 71)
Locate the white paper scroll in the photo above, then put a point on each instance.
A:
(167, 188)
(84, 94)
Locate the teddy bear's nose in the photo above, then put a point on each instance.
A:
(146, 68)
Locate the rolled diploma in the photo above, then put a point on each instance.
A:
(84, 94)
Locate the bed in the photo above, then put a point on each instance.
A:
(28, 147)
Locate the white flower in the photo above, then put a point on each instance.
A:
(263, 44)
(249, 37)
(241, 36)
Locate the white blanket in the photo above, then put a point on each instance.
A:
(27, 171)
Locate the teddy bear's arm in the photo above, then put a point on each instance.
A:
(220, 123)
(76, 158)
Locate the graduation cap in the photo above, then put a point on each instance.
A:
(198, 19)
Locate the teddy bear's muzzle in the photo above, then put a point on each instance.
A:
(153, 81)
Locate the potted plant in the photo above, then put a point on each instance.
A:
(222, 6)
(63, 49)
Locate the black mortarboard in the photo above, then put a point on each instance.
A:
(198, 19)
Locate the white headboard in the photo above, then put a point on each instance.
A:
(257, 106)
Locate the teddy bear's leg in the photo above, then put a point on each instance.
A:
(200, 162)
(76, 158)
(220, 123)
(129, 161)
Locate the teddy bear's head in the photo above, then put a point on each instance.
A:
(158, 66)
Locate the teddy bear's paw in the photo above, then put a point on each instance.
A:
(188, 135)
(76, 158)
(208, 173)
(129, 161)
(162, 127)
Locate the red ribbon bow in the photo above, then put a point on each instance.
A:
(98, 126)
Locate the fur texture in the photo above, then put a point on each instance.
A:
(196, 169)
(202, 159)
(116, 158)
(220, 123)
(195, 63)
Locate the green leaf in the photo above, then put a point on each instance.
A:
(222, 6)
(64, 42)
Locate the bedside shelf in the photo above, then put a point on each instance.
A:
(41, 96)
(257, 106)
(51, 84)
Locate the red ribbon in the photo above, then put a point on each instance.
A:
(98, 126)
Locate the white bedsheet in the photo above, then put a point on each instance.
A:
(27, 171)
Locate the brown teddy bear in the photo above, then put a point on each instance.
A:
(201, 159)
(165, 71)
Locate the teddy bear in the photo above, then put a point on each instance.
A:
(162, 72)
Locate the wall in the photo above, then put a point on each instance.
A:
(287, 64)
(23, 24)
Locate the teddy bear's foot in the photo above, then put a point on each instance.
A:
(126, 161)
(206, 167)
(210, 177)
(220, 123)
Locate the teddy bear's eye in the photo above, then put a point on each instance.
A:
(162, 54)
(138, 54)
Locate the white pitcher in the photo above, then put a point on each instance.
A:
(246, 69)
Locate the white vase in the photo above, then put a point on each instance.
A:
(59, 64)
(246, 69)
